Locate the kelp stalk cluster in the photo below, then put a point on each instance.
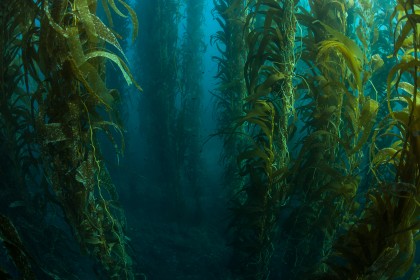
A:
(231, 91)
(63, 58)
(263, 161)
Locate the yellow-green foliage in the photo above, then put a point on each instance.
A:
(263, 162)
(381, 244)
(70, 55)
(339, 118)
(406, 156)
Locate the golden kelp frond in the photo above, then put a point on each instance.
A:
(130, 11)
(402, 67)
(261, 114)
(349, 43)
(266, 87)
(115, 8)
(96, 29)
(408, 15)
(59, 29)
(84, 16)
(366, 123)
(118, 61)
(353, 63)
(361, 36)
(106, 34)
(134, 19)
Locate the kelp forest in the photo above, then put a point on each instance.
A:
(210, 139)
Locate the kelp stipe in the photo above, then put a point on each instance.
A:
(63, 79)
(338, 121)
(263, 162)
(230, 92)
(67, 104)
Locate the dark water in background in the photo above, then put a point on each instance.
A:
(168, 245)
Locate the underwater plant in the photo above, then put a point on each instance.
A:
(338, 120)
(321, 155)
(17, 159)
(231, 91)
(263, 161)
(67, 94)
(381, 242)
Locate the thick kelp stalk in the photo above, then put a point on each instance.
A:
(28, 226)
(231, 91)
(381, 244)
(264, 160)
(286, 65)
(159, 121)
(71, 104)
(338, 121)
(191, 96)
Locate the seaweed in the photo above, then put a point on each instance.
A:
(263, 163)
(230, 92)
(62, 69)
(381, 243)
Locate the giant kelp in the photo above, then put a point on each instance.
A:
(26, 222)
(263, 162)
(301, 103)
(231, 92)
(16, 121)
(63, 61)
(74, 85)
(381, 243)
(338, 121)
(402, 156)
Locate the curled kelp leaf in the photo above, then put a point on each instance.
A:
(130, 11)
(366, 122)
(353, 63)
(106, 34)
(376, 62)
(351, 45)
(118, 61)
